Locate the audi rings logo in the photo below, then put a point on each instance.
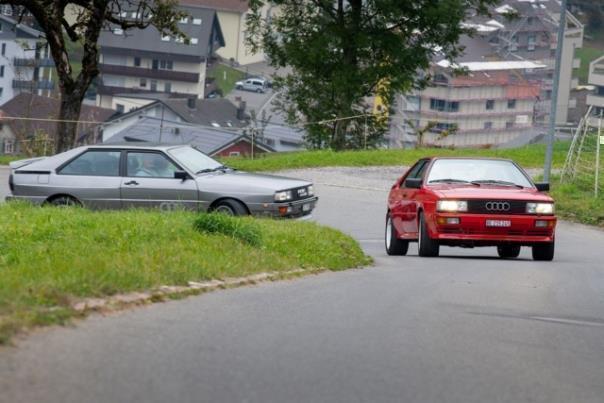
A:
(497, 206)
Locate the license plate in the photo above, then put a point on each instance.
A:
(306, 207)
(499, 223)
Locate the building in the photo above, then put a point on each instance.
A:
(595, 100)
(144, 61)
(232, 15)
(31, 118)
(212, 141)
(492, 104)
(25, 62)
(217, 112)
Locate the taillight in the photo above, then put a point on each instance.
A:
(11, 185)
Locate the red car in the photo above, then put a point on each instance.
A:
(470, 202)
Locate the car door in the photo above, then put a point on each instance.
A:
(92, 177)
(406, 206)
(149, 182)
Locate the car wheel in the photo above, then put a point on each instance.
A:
(427, 247)
(259, 91)
(394, 246)
(230, 207)
(64, 201)
(544, 252)
(508, 251)
(239, 87)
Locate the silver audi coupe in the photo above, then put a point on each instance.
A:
(155, 176)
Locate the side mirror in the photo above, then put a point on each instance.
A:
(542, 187)
(413, 183)
(181, 175)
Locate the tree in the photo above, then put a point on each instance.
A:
(91, 16)
(341, 50)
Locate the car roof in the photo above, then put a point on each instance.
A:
(470, 158)
(135, 145)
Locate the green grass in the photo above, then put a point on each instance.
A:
(50, 257)
(576, 202)
(530, 156)
(6, 159)
(220, 71)
(587, 55)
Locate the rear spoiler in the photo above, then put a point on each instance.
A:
(21, 163)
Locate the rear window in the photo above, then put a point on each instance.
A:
(94, 163)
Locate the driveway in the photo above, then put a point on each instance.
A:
(466, 327)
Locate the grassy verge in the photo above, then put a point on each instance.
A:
(51, 257)
(587, 55)
(529, 156)
(226, 77)
(575, 202)
(6, 159)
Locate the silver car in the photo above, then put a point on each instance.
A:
(164, 177)
(252, 84)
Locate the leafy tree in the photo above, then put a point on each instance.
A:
(91, 16)
(344, 51)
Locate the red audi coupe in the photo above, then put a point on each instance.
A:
(470, 202)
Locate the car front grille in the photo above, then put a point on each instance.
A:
(497, 207)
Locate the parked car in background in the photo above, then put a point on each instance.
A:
(469, 202)
(164, 177)
(254, 84)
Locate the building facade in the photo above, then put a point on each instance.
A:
(595, 100)
(145, 61)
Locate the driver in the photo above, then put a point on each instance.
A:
(155, 166)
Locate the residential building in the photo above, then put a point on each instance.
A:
(29, 117)
(232, 15)
(489, 105)
(212, 141)
(25, 62)
(217, 112)
(595, 99)
(145, 61)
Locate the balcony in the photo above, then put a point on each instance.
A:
(31, 85)
(139, 72)
(23, 62)
(595, 100)
(112, 90)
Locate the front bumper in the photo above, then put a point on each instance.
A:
(294, 209)
(473, 229)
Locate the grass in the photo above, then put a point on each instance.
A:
(50, 257)
(587, 55)
(529, 157)
(576, 202)
(6, 159)
(226, 77)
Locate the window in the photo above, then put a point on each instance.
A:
(1, 71)
(194, 41)
(509, 124)
(530, 20)
(488, 125)
(444, 106)
(9, 147)
(234, 154)
(169, 65)
(1, 92)
(599, 90)
(532, 39)
(168, 87)
(94, 163)
(511, 104)
(155, 64)
(490, 104)
(196, 21)
(153, 165)
(417, 171)
(162, 64)
(137, 61)
(3, 49)
(153, 85)
(119, 108)
(0, 27)
(143, 82)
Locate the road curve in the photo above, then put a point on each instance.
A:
(466, 327)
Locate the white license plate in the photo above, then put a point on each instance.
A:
(306, 207)
(499, 223)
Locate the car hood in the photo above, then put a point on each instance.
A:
(245, 181)
(489, 192)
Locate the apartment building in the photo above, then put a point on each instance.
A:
(595, 100)
(25, 61)
(491, 104)
(145, 61)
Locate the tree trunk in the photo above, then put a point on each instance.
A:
(69, 114)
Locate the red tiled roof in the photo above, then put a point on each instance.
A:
(239, 6)
(478, 78)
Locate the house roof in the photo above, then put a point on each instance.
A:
(26, 105)
(22, 31)
(206, 139)
(239, 6)
(150, 39)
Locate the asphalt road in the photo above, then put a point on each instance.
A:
(466, 327)
(4, 191)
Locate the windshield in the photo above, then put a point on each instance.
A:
(194, 160)
(478, 172)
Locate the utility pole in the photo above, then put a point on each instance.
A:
(552, 117)
(598, 143)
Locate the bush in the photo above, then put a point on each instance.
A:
(233, 227)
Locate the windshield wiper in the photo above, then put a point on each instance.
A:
(222, 168)
(497, 182)
(449, 180)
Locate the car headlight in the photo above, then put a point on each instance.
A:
(283, 196)
(311, 190)
(452, 206)
(540, 208)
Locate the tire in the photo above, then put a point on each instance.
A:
(230, 207)
(508, 251)
(427, 247)
(64, 201)
(239, 87)
(394, 246)
(259, 91)
(544, 252)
